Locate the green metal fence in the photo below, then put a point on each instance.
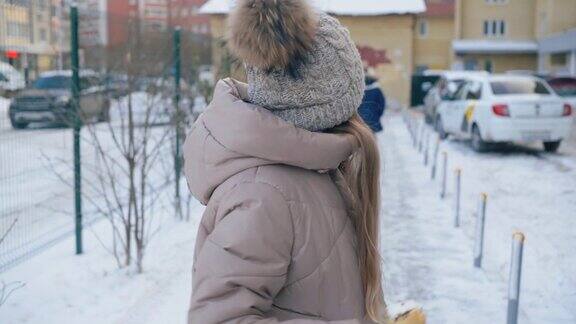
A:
(90, 122)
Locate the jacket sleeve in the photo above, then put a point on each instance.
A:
(244, 261)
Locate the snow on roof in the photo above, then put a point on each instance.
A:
(493, 46)
(339, 7)
(66, 73)
(454, 74)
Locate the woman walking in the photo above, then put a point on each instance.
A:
(289, 175)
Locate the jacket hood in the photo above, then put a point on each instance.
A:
(233, 135)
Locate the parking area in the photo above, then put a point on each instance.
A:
(431, 262)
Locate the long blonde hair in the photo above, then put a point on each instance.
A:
(362, 174)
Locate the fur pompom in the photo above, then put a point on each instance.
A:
(270, 34)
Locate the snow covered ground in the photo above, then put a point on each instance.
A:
(431, 262)
(425, 258)
(36, 175)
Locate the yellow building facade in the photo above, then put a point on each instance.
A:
(15, 23)
(556, 33)
(504, 35)
(433, 35)
(35, 32)
(389, 40)
(495, 35)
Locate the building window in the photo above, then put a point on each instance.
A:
(494, 28)
(496, 1)
(42, 4)
(470, 65)
(423, 28)
(559, 59)
(204, 29)
(43, 34)
(488, 66)
(17, 29)
(25, 3)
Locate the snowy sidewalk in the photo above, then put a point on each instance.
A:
(425, 258)
(430, 261)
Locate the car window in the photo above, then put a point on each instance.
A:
(474, 91)
(511, 87)
(459, 94)
(53, 82)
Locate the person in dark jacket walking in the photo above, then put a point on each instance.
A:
(373, 104)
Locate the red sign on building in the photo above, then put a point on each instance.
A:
(12, 55)
(373, 57)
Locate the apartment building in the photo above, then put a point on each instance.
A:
(107, 22)
(503, 35)
(32, 34)
(433, 35)
(556, 34)
(185, 13)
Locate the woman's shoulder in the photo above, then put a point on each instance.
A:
(294, 184)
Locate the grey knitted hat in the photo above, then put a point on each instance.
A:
(301, 64)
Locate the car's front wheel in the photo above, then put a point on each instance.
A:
(478, 144)
(427, 118)
(18, 124)
(105, 113)
(440, 128)
(552, 146)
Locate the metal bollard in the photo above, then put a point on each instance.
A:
(435, 158)
(427, 148)
(421, 140)
(421, 137)
(479, 240)
(458, 183)
(444, 174)
(416, 133)
(515, 274)
(413, 127)
(410, 124)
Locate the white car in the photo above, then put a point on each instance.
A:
(448, 82)
(505, 108)
(11, 80)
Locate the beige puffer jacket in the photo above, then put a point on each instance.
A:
(276, 244)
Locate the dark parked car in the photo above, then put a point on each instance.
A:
(565, 87)
(49, 100)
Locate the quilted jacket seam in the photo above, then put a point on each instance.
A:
(332, 249)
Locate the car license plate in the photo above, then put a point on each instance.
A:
(536, 136)
(35, 115)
